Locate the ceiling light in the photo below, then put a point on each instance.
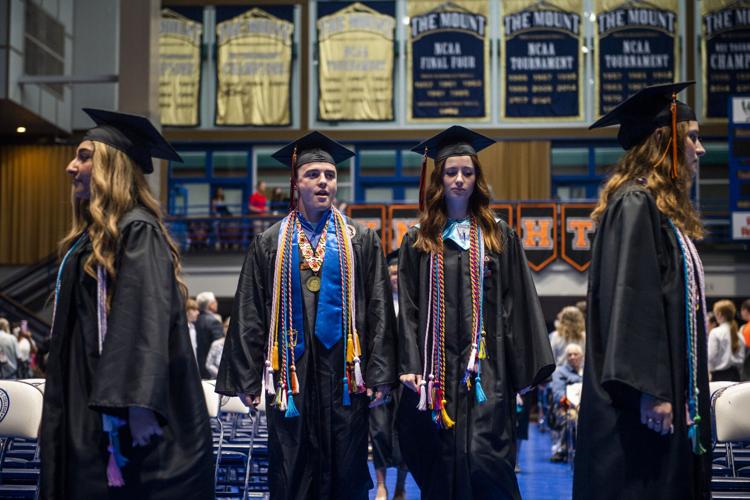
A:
(21, 130)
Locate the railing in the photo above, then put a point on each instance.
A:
(230, 233)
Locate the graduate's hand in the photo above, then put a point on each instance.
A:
(411, 380)
(656, 414)
(143, 425)
(382, 395)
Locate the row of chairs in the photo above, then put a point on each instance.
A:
(240, 442)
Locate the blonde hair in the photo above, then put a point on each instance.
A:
(571, 326)
(648, 160)
(726, 309)
(435, 215)
(117, 186)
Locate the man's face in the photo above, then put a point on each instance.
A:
(192, 315)
(575, 359)
(213, 306)
(745, 314)
(316, 184)
(393, 274)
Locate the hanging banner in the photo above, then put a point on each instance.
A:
(254, 69)
(726, 53)
(537, 228)
(448, 57)
(542, 67)
(504, 211)
(636, 45)
(355, 72)
(180, 68)
(577, 234)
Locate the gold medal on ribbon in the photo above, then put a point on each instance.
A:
(313, 284)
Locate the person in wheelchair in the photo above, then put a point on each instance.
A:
(570, 372)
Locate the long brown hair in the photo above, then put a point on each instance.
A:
(648, 160)
(726, 309)
(572, 325)
(435, 215)
(117, 186)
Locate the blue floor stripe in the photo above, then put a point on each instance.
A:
(539, 479)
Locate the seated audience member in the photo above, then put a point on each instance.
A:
(192, 311)
(213, 360)
(571, 325)
(570, 372)
(726, 349)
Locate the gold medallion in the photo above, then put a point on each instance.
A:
(313, 283)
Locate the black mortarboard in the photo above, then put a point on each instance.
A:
(453, 141)
(645, 111)
(307, 149)
(134, 135)
(392, 257)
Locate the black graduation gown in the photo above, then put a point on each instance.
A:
(323, 452)
(146, 361)
(476, 458)
(636, 343)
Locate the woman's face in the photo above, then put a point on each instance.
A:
(693, 148)
(80, 170)
(459, 178)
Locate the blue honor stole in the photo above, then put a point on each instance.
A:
(329, 315)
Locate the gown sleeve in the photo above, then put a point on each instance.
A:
(630, 324)
(133, 369)
(243, 359)
(529, 355)
(408, 307)
(381, 337)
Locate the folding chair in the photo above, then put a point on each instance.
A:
(20, 417)
(731, 407)
(573, 395)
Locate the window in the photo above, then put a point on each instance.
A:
(44, 46)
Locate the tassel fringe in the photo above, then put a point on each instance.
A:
(357, 348)
(483, 347)
(358, 378)
(269, 380)
(422, 405)
(694, 436)
(114, 474)
(294, 383)
(447, 422)
(471, 367)
(349, 349)
(291, 409)
(431, 392)
(275, 356)
(283, 405)
(481, 396)
(346, 400)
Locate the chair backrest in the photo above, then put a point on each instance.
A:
(233, 404)
(715, 386)
(212, 398)
(20, 409)
(731, 411)
(34, 381)
(573, 393)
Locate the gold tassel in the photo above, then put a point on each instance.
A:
(349, 349)
(275, 356)
(483, 346)
(447, 422)
(357, 348)
(294, 383)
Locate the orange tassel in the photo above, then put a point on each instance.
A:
(275, 356)
(674, 135)
(423, 182)
(349, 349)
(294, 382)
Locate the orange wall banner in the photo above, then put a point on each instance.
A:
(537, 228)
(577, 234)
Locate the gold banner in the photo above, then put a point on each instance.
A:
(355, 74)
(451, 78)
(180, 69)
(631, 48)
(254, 70)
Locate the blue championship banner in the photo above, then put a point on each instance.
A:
(636, 46)
(355, 72)
(254, 66)
(726, 53)
(542, 68)
(180, 36)
(448, 58)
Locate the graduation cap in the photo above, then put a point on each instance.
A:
(310, 148)
(392, 257)
(453, 141)
(648, 109)
(134, 135)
